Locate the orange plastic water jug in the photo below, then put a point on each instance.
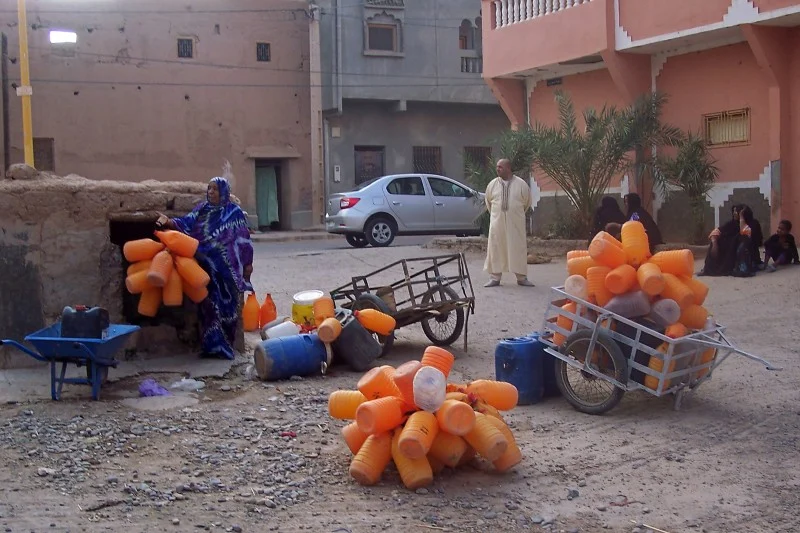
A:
(372, 459)
(596, 282)
(512, 456)
(486, 439)
(579, 265)
(417, 436)
(353, 437)
(448, 448)
(173, 290)
(635, 243)
(195, 294)
(150, 301)
(377, 416)
(137, 282)
(375, 321)
(141, 250)
(323, 309)
(438, 358)
(436, 465)
(178, 243)
(377, 383)
(499, 394)
(329, 330)
(138, 267)
(192, 273)
(694, 316)
(676, 262)
(699, 288)
(415, 472)
(250, 313)
(404, 381)
(564, 322)
(606, 253)
(606, 236)
(675, 289)
(455, 417)
(577, 253)
(621, 279)
(343, 404)
(676, 331)
(268, 311)
(706, 357)
(656, 364)
(650, 279)
(161, 267)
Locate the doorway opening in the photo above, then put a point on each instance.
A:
(269, 192)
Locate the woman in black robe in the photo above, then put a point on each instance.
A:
(633, 202)
(608, 213)
(728, 241)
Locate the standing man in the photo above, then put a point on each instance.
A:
(508, 198)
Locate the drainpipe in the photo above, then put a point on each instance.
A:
(24, 90)
(338, 67)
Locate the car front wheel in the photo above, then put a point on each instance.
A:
(380, 232)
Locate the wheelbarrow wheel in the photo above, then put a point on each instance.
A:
(370, 301)
(586, 392)
(445, 328)
(103, 373)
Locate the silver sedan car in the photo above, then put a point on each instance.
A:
(404, 204)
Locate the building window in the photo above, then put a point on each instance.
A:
(44, 154)
(466, 35)
(369, 163)
(477, 159)
(727, 128)
(382, 37)
(427, 159)
(472, 65)
(263, 52)
(186, 48)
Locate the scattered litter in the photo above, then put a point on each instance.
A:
(150, 387)
(188, 385)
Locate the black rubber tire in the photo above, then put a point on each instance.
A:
(426, 322)
(370, 301)
(380, 231)
(620, 372)
(357, 241)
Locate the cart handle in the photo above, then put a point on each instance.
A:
(731, 348)
(23, 349)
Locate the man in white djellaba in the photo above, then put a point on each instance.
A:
(508, 198)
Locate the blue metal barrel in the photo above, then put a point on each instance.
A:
(519, 361)
(284, 357)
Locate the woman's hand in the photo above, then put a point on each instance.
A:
(248, 271)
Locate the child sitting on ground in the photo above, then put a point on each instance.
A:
(781, 247)
(614, 229)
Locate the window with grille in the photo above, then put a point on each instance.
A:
(263, 52)
(472, 65)
(186, 48)
(382, 37)
(727, 128)
(369, 163)
(44, 154)
(477, 158)
(428, 159)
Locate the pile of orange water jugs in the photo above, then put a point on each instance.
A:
(162, 272)
(612, 268)
(254, 315)
(387, 425)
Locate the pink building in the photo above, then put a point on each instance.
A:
(730, 67)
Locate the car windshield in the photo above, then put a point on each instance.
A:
(362, 186)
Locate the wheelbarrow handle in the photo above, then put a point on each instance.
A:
(23, 349)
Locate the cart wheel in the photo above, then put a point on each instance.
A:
(103, 373)
(370, 301)
(584, 391)
(445, 329)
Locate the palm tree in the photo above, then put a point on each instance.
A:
(582, 161)
(692, 170)
(644, 131)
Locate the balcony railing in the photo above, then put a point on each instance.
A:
(508, 12)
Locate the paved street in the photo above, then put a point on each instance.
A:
(267, 249)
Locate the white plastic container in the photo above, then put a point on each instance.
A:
(267, 327)
(665, 312)
(430, 386)
(577, 286)
(284, 329)
(630, 305)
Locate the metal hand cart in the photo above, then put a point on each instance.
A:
(435, 292)
(626, 355)
(96, 354)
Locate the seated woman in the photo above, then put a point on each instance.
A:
(732, 250)
(633, 203)
(608, 213)
(226, 253)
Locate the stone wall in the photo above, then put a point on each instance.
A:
(56, 250)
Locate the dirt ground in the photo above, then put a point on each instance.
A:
(248, 456)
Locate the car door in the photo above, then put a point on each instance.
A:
(410, 202)
(454, 206)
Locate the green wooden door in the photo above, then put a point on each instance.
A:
(266, 196)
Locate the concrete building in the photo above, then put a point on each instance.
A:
(731, 69)
(152, 90)
(402, 89)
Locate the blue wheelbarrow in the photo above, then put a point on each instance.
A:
(97, 355)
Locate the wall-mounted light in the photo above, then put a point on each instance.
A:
(63, 37)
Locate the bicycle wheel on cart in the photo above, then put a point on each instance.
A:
(586, 392)
(443, 329)
(370, 301)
